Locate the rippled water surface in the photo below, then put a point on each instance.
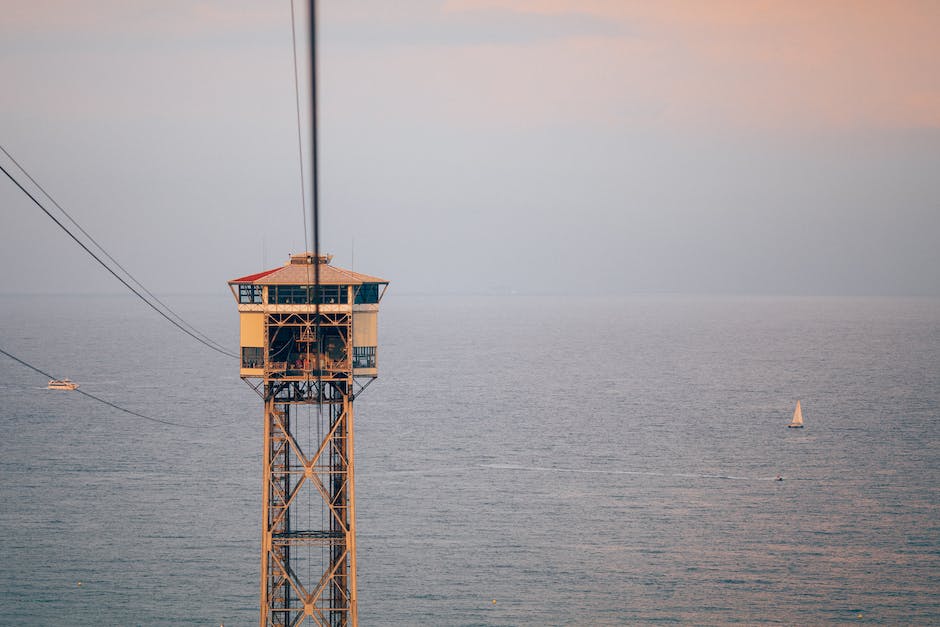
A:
(520, 461)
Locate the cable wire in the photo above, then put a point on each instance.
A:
(93, 397)
(300, 151)
(315, 221)
(105, 252)
(315, 187)
(115, 274)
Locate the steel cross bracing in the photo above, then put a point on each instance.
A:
(308, 561)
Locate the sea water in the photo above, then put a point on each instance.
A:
(522, 460)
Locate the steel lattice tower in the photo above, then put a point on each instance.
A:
(308, 349)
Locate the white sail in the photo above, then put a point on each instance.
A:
(797, 416)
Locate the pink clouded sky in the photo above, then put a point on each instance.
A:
(705, 134)
(773, 65)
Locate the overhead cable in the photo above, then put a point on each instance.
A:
(105, 252)
(178, 324)
(93, 397)
(315, 186)
(300, 151)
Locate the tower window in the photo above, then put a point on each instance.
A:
(364, 357)
(252, 357)
(307, 294)
(367, 293)
(249, 294)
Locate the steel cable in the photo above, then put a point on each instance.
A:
(100, 400)
(105, 252)
(149, 303)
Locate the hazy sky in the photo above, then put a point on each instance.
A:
(765, 147)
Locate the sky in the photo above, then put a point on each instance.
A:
(494, 146)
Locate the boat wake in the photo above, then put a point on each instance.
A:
(603, 471)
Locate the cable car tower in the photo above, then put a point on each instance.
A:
(309, 339)
(309, 335)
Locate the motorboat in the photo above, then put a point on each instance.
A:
(62, 384)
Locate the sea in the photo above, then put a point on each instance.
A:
(521, 460)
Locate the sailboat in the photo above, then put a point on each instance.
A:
(797, 422)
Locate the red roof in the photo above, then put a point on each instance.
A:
(251, 278)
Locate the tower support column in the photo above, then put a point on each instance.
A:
(308, 532)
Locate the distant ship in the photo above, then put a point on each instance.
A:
(797, 422)
(62, 384)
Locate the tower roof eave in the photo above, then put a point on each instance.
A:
(303, 274)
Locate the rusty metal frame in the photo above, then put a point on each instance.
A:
(321, 471)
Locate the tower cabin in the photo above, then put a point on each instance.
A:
(293, 329)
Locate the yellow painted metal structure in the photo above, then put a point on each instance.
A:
(308, 347)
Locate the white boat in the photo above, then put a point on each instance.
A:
(797, 422)
(62, 384)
